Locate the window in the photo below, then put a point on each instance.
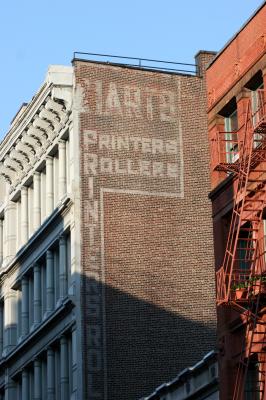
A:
(252, 389)
(229, 112)
(255, 104)
(231, 126)
(255, 109)
(245, 248)
(255, 85)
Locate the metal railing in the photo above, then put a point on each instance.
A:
(145, 63)
(226, 147)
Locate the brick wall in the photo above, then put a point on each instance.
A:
(248, 46)
(147, 252)
(227, 78)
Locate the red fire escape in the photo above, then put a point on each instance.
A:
(241, 280)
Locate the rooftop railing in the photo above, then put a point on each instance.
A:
(144, 63)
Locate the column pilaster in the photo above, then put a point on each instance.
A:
(64, 374)
(1, 242)
(62, 268)
(10, 321)
(49, 186)
(1, 329)
(10, 214)
(25, 306)
(25, 384)
(37, 379)
(62, 168)
(36, 200)
(36, 295)
(50, 374)
(49, 282)
(74, 360)
(10, 387)
(24, 215)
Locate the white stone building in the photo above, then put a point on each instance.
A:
(39, 247)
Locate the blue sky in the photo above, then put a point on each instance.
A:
(35, 34)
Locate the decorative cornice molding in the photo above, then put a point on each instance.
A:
(7, 173)
(25, 150)
(21, 159)
(43, 127)
(35, 145)
(37, 133)
(36, 127)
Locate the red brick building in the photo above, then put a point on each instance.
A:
(236, 82)
(146, 232)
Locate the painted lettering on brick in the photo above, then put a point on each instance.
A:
(131, 156)
(94, 279)
(131, 140)
(132, 101)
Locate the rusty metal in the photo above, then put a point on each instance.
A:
(241, 280)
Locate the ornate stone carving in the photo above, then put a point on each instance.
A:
(38, 134)
(16, 167)
(45, 126)
(51, 117)
(55, 107)
(26, 150)
(33, 143)
(13, 164)
(8, 174)
(21, 158)
(40, 123)
(47, 122)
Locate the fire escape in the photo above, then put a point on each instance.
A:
(241, 280)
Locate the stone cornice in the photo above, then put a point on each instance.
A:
(34, 130)
(21, 122)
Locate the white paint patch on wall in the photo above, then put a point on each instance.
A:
(156, 156)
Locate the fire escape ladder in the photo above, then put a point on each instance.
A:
(253, 347)
(241, 281)
(232, 263)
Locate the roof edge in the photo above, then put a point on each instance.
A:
(237, 33)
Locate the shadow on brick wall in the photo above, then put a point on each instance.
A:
(145, 344)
